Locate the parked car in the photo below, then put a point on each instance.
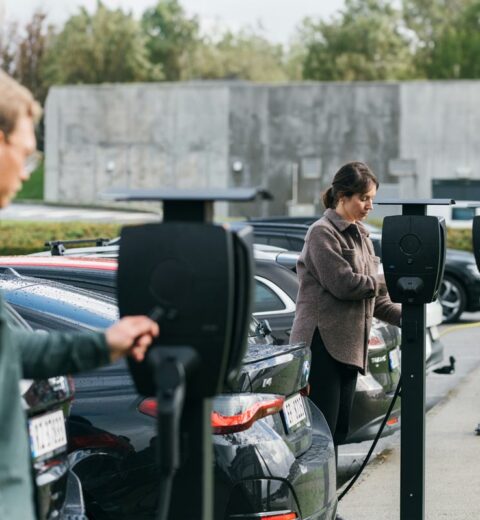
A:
(460, 289)
(276, 462)
(276, 289)
(275, 297)
(47, 403)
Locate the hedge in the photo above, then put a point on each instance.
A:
(21, 237)
(460, 239)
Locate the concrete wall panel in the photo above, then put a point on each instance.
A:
(134, 136)
(440, 130)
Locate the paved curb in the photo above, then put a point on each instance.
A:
(452, 465)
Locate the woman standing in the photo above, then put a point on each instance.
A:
(340, 291)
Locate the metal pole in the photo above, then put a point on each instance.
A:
(192, 496)
(412, 454)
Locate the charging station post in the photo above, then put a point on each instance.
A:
(164, 268)
(476, 235)
(413, 255)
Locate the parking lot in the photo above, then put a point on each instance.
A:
(450, 483)
(460, 340)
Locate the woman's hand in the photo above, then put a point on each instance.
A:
(381, 285)
(132, 336)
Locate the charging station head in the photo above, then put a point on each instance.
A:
(413, 253)
(188, 275)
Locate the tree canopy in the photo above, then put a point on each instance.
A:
(447, 37)
(363, 42)
(170, 37)
(105, 46)
(245, 55)
(366, 40)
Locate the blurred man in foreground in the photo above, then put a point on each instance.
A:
(31, 355)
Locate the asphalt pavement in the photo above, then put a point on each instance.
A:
(452, 472)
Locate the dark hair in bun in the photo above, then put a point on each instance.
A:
(351, 178)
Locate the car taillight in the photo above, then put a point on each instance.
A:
(305, 391)
(231, 413)
(237, 412)
(375, 341)
(278, 515)
(98, 440)
(392, 421)
(71, 385)
(148, 407)
(281, 516)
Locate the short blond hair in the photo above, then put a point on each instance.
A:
(15, 101)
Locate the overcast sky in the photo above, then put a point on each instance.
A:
(278, 17)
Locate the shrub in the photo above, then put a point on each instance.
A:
(21, 238)
(460, 239)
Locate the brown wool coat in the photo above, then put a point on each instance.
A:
(339, 289)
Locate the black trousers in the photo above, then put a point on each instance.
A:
(332, 388)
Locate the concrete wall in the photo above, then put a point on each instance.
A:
(440, 130)
(283, 129)
(192, 135)
(138, 136)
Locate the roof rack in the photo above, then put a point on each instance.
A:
(10, 271)
(57, 247)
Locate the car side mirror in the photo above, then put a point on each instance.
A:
(264, 327)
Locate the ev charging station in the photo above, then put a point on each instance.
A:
(195, 279)
(413, 256)
(476, 239)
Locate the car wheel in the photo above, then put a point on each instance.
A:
(453, 299)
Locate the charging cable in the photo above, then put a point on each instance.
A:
(375, 441)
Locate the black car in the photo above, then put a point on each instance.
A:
(276, 459)
(276, 289)
(47, 403)
(460, 289)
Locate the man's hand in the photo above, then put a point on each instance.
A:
(132, 336)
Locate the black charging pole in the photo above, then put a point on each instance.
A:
(184, 415)
(412, 455)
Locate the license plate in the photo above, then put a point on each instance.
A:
(47, 434)
(294, 411)
(394, 359)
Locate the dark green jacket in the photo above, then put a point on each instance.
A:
(31, 355)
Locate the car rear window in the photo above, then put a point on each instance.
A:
(266, 300)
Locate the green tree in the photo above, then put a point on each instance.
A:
(245, 55)
(8, 47)
(106, 46)
(22, 51)
(445, 36)
(171, 36)
(30, 53)
(427, 18)
(455, 50)
(365, 41)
